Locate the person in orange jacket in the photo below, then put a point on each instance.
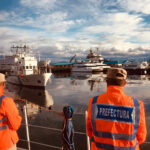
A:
(116, 121)
(10, 119)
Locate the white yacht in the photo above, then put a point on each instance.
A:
(86, 67)
(94, 63)
(89, 67)
(136, 67)
(22, 68)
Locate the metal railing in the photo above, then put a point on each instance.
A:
(48, 128)
(27, 125)
(42, 144)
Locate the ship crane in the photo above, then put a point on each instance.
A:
(72, 58)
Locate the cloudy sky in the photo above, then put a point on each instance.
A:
(61, 28)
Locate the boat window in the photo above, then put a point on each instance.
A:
(30, 67)
(27, 67)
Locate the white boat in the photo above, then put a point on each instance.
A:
(86, 67)
(22, 68)
(93, 64)
(136, 67)
(89, 67)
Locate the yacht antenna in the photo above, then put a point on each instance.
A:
(39, 55)
(97, 49)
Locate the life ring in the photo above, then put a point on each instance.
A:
(21, 75)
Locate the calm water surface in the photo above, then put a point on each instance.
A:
(74, 90)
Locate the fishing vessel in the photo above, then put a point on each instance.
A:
(22, 68)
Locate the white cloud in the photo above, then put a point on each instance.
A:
(11, 36)
(136, 5)
(143, 37)
(45, 4)
(119, 29)
(36, 40)
(117, 43)
(118, 23)
(59, 26)
(54, 22)
(4, 16)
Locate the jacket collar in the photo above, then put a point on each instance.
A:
(115, 89)
(1, 91)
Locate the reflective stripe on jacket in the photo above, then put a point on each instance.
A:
(114, 121)
(3, 119)
(10, 121)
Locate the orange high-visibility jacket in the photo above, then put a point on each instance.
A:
(10, 121)
(115, 121)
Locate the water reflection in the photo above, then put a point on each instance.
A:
(138, 79)
(40, 97)
(62, 74)
(92, 79)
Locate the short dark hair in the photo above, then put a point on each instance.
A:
(117, 82)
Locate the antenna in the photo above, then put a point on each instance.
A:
(39, 55)
(97, 49)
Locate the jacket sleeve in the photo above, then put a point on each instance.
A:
(11, 111)
(89, 129)
(142, 132)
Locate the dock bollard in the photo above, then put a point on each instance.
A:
(27, 127)
(87, 137)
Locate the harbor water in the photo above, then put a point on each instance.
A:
(74, 90)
